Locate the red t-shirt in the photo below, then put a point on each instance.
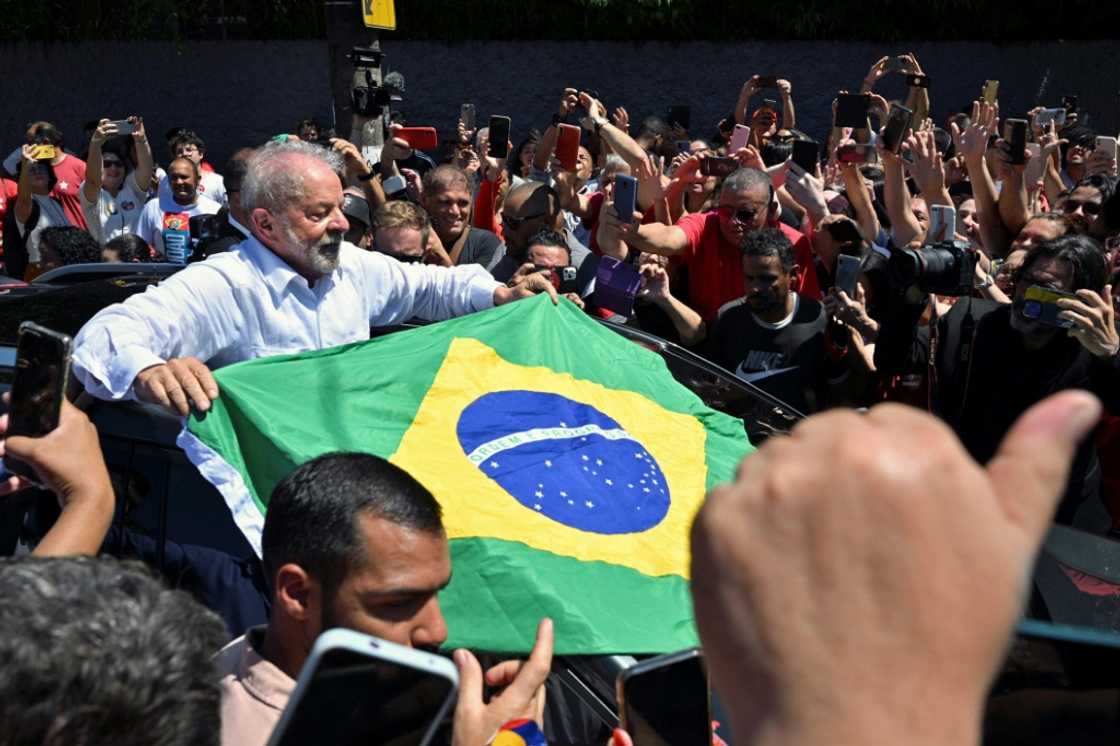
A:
(715, 268)
(8, 191)
(70, 174)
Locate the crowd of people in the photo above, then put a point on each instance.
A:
(905, 264)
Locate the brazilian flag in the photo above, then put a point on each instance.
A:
(568, 461)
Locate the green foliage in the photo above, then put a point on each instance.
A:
(619, 20)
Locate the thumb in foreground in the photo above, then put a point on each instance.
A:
(1030, 470)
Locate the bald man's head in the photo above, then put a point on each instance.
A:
(529, 208)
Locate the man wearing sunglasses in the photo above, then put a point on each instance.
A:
(709, 243)
(112, 198)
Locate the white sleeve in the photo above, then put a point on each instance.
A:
(145, 228)
(191, 314)
(397, 292)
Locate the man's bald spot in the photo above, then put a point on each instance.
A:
(533, 198)
(189, 162)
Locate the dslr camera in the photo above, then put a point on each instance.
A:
(942, 268)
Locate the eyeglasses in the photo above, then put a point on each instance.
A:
(516, 223)
(742, 216)
(112, 164)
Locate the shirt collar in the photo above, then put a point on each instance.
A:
(277, 273)
(260, 677)
(233, 221)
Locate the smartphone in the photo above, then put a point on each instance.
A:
(721, 167)
(771, 104)
(990, 92)
(625, 197)
(466, 115)
(38, 386)
(855, 152)
(666, 700)
(806, 154)
(564, 279)
(851, 110)
(357, 689)
(917, 81)
(766, 81)
(898, 123)
(1106, 145)
(739, 138)
(1069, 103)
(1046, 116)
(1040, 304)
(44, 152)
(897, 64)
(499, 137)
(1058, 684)
(567, 146)
(942, 223)
(1015, 132)
(847, 273)
(419, 138)
(124, 127)
(681, 115)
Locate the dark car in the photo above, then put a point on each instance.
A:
(1077, 579)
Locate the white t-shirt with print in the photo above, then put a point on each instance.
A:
(111, 216)
(165, 224)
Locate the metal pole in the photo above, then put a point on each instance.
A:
(345, 30)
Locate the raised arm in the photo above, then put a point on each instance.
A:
(918, 99)
(789, 116)
(655, 289)
(24, 201)
(972, 144)
(569, 100)
(860, 201)
(91, 189)
(928, 169)
(145, 164)
(658, 238)
(745, 94)
(904, 225)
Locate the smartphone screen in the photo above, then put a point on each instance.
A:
(466, 114)
(898, 122)
(499, 137)
(942, 223)
(625, 197)
(354, 699)
(567, 146)
(1059, 684)
(806, 153)
(855, 152)
(851, 110)
(847, 273)
(669, 704)
(39, 383)
(1015, 132)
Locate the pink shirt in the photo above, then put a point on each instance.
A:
(254, 691)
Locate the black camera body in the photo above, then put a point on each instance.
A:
(942, 268)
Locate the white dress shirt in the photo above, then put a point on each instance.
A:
(249, 303)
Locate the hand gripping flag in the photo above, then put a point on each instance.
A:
(568, 461)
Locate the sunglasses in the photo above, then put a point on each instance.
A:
(1089, 208)
(112, 164)
(516, 223)
(742, 216)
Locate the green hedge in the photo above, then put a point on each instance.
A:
(627, 20)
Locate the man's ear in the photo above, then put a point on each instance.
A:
(297, 593)
(262, 223)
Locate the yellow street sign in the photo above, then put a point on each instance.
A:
(379, 14)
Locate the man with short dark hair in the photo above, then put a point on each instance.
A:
(352, 541)
(165, 221)
(447, 198)
(98, 651)
(708, 243)
(188, 144)
(773, 336)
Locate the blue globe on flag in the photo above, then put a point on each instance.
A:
(566, 460)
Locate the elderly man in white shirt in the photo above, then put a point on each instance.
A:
(294, 285)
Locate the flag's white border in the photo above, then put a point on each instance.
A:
(218, 472)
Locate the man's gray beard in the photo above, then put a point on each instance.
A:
(323, 255)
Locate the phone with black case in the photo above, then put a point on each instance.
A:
(1015, 132)
(851, 110)
(898, 122)
(666, 700)
(806, 154)
(499, 137)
